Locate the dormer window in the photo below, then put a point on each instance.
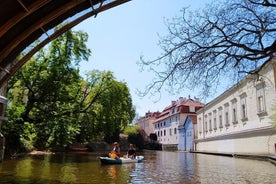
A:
(173, 111)
(192, 108)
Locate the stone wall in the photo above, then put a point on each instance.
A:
(3, 103)
(261, 143)
(170, 147)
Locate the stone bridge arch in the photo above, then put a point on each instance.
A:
(22, 22)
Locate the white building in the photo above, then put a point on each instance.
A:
(238, 121)
(166, 124)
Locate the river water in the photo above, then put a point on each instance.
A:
(158, 167)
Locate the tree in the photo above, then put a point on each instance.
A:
(51, 105)
(226, 40)
(45, 94)
(107, 106)
(135, 136)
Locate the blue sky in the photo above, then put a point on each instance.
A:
(119, 36)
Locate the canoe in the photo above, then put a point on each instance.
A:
(107, 160)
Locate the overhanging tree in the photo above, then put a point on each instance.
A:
(46, 92)
(227, 39)
(106, 107)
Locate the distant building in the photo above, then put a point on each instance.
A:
(146, 122)
(167, 123)
(238, 121)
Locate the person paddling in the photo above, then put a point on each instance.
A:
(131, 153)
(115, 153)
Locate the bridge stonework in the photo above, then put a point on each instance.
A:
(3, 104)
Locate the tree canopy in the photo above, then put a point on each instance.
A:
(225, 40)
(51, 105)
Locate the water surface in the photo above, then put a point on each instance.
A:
(158, 167)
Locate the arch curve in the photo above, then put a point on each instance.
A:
(25, 21)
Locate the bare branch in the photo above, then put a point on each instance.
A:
(202, 47)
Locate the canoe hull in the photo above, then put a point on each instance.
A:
(107, 160)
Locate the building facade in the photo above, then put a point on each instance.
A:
(173, 116)
(187, 134)
(146, 122)
(238, 121)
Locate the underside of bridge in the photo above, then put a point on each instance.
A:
(28, 25)
(22, 22)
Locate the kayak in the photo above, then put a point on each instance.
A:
(107, 160)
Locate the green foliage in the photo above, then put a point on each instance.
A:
(109, 102)
(45, 93)
(28, 136)
(51, 105)
(131, 130)
(135, 135)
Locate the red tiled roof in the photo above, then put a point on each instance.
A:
(182, 105)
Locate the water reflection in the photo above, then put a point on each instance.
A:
(158, 167)
(112, 171)
(167, 167)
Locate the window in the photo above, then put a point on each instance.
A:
(175, 131)
(200, 125)
(192, 108)
(243, 107)
(220, 117)
(260, 99)
(205, 122)
(234, 115)
(215, 119)
(234, 111)
(226, 113)
(164, 132)
(210, 121)
(261, 104)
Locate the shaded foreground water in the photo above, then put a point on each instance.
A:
(158, 167)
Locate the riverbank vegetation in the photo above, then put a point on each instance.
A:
(52, 106)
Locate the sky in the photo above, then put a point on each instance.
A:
(119, 36)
